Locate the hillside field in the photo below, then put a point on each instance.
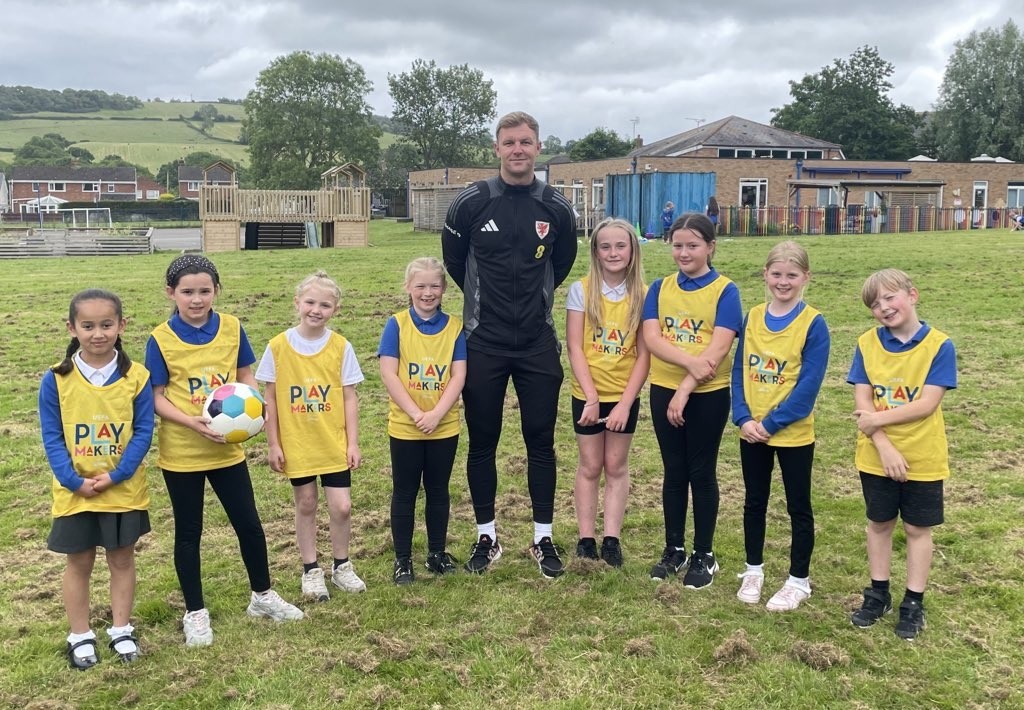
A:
(134, 136)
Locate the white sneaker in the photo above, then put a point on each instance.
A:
(313, 585)
(196, 625)
(345, 577)
(272, 606)
(788, 598)
(750, 588)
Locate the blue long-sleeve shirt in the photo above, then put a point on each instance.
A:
(52, 425)
(157, 366)
(814, 362)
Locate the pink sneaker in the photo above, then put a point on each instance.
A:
(750, 588)
(788, 598)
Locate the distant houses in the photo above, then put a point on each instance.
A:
(45, 188)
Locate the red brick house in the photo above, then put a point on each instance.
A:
(148, 189)
(190, 177)
(51, 187)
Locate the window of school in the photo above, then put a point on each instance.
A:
(111, 188)
(597, 192)
(35, 187)
(1015, 194)
(56, 187)
(828, 196)
(90, 187)
(577, 192)
(754, 192)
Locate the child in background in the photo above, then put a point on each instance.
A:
(311, 373)
(668, 216)
(777, 372)
(609, 366)
(188, 356)
(690, 319)
(423, 366)
(900, 372)
(96, 416)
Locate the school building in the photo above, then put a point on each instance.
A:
(767, 180)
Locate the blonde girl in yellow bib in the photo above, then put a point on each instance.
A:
(96, 416)
(423, 366)
(777, 372)
(311, 373)
(609, 366)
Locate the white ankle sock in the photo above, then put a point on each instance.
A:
(487, 529)
(541, 530)
(83, 651)
(123, 646)
(803, 583)
(755, 569)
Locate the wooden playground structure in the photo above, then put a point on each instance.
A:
(341, 207)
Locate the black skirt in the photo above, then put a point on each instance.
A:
(89, 530)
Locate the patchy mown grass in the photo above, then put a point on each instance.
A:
(595, 637)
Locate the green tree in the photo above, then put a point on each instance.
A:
(552, 145)
(81, 154)
(981, 101)
(50, 149)
(444, 112)
(307, 113)
(847, 103)
(392, 168)
(600, 143)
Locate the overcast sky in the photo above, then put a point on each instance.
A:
(574, 65)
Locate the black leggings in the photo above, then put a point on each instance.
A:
(413, 460)
(795, 461)
(234, 490)
(689, 455)
(537, 380)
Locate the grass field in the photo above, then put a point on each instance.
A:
(595, 637)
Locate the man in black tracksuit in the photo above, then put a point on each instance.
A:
(508, 242)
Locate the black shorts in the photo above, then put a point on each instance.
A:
(603, 409)
(89, 530)
(917, 502)
(339, 479)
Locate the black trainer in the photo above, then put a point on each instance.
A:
(587, 548)
(876, 604)
(911, 621)
(701, 572)
(484, 552)
(611, 551)
(441, 563)
(403, 571)
(672, 560)
(548, 559)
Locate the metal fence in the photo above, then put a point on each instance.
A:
(857, 219)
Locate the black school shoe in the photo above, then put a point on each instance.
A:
(129, 657)
(876, 605)
(82, 664)
(586, 548)
(701, 572)
(611, 551)
(911, 621)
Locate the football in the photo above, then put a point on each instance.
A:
(236, 411)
